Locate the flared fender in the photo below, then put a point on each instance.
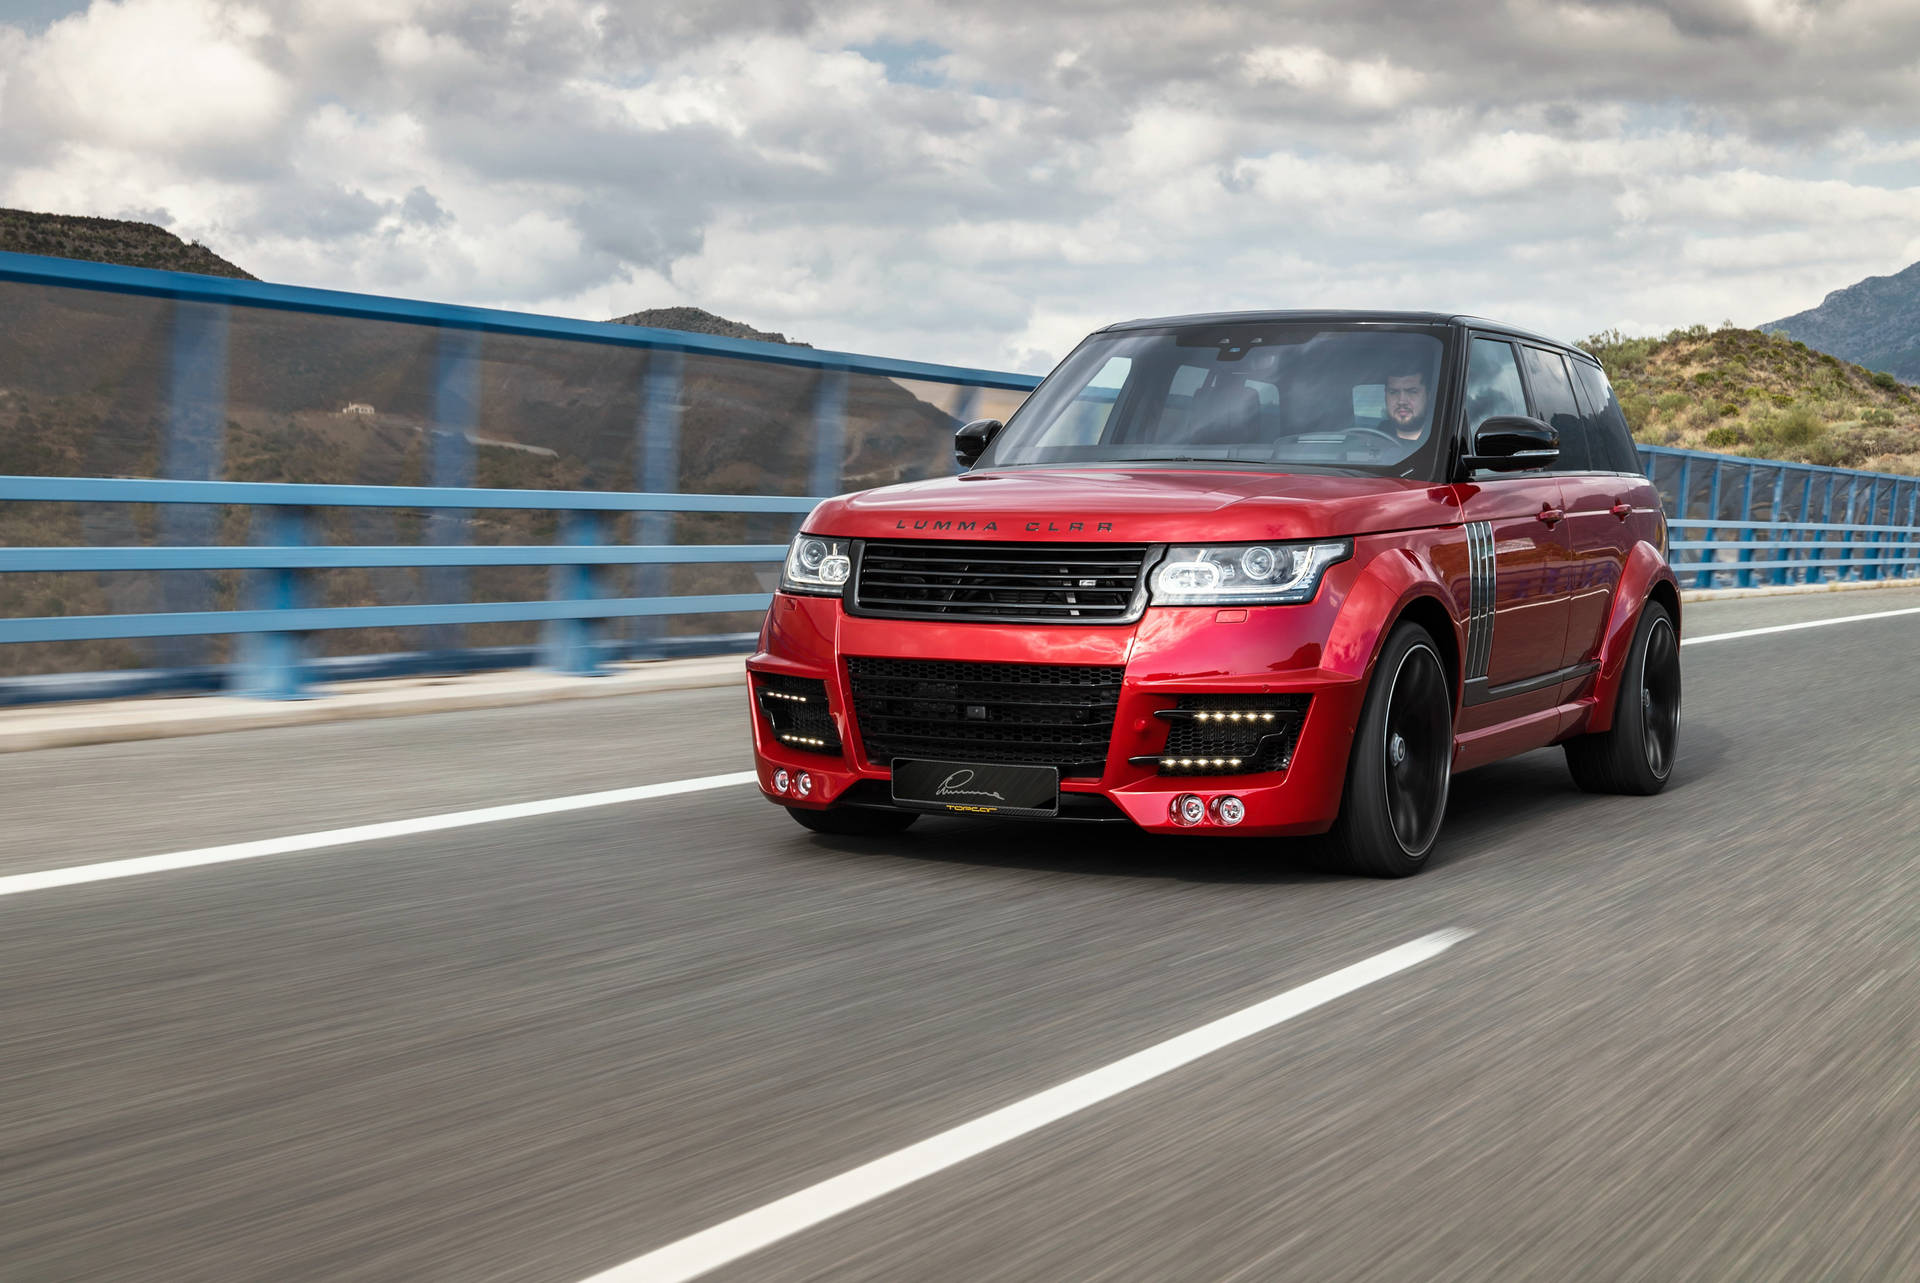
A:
(1394, 582)
(1645, 570)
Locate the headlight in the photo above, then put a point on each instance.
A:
(817, 566)
(1244, 574)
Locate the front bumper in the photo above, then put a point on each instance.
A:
(1171, 652)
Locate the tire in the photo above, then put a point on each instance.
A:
(1401, 764)
(853, 821)
(1636, 756)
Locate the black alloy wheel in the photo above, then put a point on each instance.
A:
(1636, 754)
(1660, 697)
(1418, 749)
(1401, 764)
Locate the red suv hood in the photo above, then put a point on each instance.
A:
(1136, 505)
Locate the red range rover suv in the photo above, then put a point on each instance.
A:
(1274, 574)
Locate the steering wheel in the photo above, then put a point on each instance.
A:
(1388, 437)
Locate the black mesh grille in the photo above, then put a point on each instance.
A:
(1056, 583)
(1040, 714)
(796, 710)
(1229, 747)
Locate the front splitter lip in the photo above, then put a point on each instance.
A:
(1278, 803)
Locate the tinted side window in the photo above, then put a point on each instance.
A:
(1553, 394)
(1493, 382)
(1612, 442)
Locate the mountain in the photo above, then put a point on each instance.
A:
(696, 320)
(1747, 392)
(109, 240)
(1875, 323)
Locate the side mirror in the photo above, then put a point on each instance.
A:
(1513, 443)
(970, 442)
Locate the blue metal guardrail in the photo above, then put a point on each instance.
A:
(273, 664)
(191, 411)
(1738, 522)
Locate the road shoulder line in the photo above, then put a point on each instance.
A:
(75, 875)
(751, 1231)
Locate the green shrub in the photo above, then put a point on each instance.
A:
(1729, 408)
(1725, 435)
(1881, 379)
(1618, 352)
(1705, 377)
(1780, 398)
(1796, 428)
(1672, 402)
(1636, 406)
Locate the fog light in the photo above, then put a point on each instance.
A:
(1188, 809)
(779, 781)
(1229, 810)
(804, 785)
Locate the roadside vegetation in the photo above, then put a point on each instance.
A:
(1746, 392)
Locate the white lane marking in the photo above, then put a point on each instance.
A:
(21, 882)
(1788, 628)
(751, 1231)
(18, 883)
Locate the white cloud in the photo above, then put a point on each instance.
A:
(151, 75)
(1031, 173)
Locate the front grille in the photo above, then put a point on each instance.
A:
(796, 711)
(1205, 737)
(1036, 714)
(1026, 583)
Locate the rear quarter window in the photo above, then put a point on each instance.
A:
(1612, 441)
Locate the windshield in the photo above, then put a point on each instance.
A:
(1247, 393)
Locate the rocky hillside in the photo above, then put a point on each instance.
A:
(1875, 323)
(84, 386)
(1737, 391)
(109, 240)
(696, 320)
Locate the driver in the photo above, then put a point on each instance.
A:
(1407, 404)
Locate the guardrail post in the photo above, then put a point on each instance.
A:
(1779, 575)
(1745, 577)
(829, 432)
(456, 407)
(1913, 527)
(1846, 535)
(656, 471)
(1874, 552)
(194, 451)
(1708, 556)
(568, 644)
(272, 665)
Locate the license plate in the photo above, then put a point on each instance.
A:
(976, 788)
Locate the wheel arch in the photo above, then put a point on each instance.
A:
(1397, 585)
(1647, 577)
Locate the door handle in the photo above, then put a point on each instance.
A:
(1622, 510)
(1552, 516)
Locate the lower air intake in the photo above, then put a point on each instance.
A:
(1231, 734)
(796, 712)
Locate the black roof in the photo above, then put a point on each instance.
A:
(1335, 314)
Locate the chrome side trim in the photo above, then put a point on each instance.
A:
(1480, 598)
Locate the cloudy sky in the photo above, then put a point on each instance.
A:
(982, 183)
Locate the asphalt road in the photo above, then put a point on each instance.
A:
(1680, 1042)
